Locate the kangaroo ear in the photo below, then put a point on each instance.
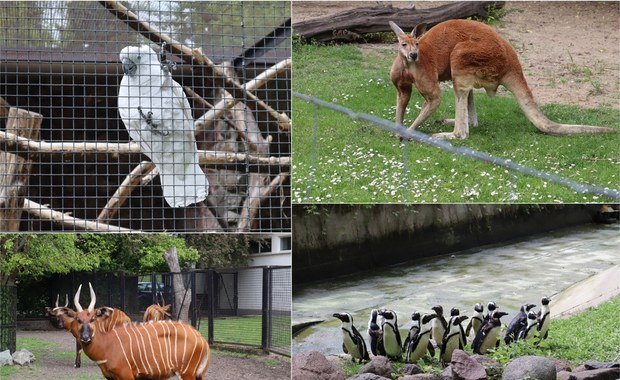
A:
(399, 32)
(419, 30)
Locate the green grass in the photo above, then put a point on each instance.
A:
(593, 335)
(247, 330)
(358, 162)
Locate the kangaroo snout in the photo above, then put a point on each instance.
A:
(413, 56)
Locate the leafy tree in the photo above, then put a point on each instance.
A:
(219, 251)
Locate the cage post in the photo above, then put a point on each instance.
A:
(192, 278)
(266, 317)
(121, 280)
(153, 288)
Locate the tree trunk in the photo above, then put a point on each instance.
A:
(350, 25)
(14, 170)
(182, 296)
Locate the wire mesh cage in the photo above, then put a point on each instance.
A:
(145, 116)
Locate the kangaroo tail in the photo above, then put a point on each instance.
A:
(518, 86)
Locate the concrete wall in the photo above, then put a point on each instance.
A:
(331, 240)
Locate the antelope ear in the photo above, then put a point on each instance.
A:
(419, 30)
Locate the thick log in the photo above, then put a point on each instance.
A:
(351, 25)
(14, 170)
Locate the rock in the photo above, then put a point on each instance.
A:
(314, 365)
(598, 365)
(422, 376)
(532, 367)
(466, 368)
(410, 369)
(565, 375)
(23, 357)
(379, 365)
(447, 373)
(491, 366)
(597, 374)
(6, 358)
(561, 365)
(368, 376)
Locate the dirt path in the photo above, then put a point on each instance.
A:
(52, 364)
(570, 52)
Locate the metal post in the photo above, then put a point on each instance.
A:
(192, 278)
(210, 302)
(266, 318)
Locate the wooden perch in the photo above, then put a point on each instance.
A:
(196, 58)
(350, 25)
(14, 169)
(85, 151)
(139, 176)
(256, 197)
(45, 213)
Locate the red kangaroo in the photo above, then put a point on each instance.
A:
(472, 55)
(154, 350)
(63, 316)
(157, 312)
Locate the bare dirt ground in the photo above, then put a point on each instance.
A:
(570, 51)
(223, 365)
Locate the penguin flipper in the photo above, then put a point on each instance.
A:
(431, 349)
(469, 326)
(344, 348)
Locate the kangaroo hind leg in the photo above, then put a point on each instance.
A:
(471, 113)
(462, 118)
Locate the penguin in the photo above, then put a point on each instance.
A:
(530, 329)
(352, 341)
(518, 323)
(476, 320)
(488, 335)
(454, 312)
(413, 330)
(416, 348)
(439, 325)
(491, 307)
(451, 339)
(391, 336)
(375, 333)
(544, 317)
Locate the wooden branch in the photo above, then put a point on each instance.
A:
(45, 213)
(139, 176)
(205, 122)
(14, 169)
(85, 151)
(193, 57)
(253, 201)
(350, 25)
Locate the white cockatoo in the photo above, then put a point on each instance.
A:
(157, 115)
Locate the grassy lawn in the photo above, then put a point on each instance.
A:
(593, 335)
(342, 160)
(247, 330)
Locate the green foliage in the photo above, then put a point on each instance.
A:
(355, 161)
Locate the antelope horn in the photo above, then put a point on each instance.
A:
(66, 300)
(76, 300)
(57, 297)
(93, 298)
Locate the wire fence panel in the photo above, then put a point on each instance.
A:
(246, 307)
(399, 130)
(145, 116)
(8, 317)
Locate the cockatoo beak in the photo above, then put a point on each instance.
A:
(129, 68)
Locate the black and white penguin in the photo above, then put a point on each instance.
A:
(488, 335)
(416, 348)
(518, 323)
(352, 341)
(476, 320)
(544, 317)
(491, 308)
(413, 330)
(392, 343)
(451, 339)
(439, 325)
(375, 333)
(454, 312)
(529, 329)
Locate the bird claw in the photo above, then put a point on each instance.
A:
(148, 118)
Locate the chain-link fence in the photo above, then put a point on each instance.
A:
(8, 317)
(145, 115)
(237, 307)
